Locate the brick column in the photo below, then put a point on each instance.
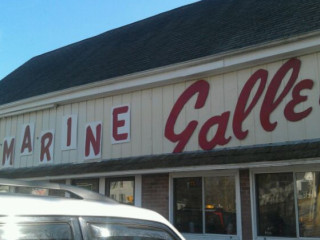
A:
(245, 205)
(155, 193)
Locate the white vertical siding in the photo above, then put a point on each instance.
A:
(136, 123)
(106, 128)
(157, 121)
(167, 104)
(146, 122)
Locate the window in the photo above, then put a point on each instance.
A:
(205, 205)
(36, 231)
(57, 193)
(288, 204)
(44, 228)
(31, 191)
(276, 213)
(91, 184)
(125, 229)
(121, 189)
(4, 189)
(308, 194)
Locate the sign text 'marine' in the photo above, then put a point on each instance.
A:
(120, 124)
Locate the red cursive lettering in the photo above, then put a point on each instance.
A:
(270, 102)
(240, 112)
(219, 137)
(289, 112)
(202, 88)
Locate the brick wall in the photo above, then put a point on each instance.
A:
(155, 193)
(245, 205)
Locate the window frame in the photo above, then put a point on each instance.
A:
(203, 174)
(278, 169)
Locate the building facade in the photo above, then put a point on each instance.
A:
(225, 146)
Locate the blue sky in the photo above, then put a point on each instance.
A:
(31, 27)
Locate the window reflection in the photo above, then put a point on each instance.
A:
(91, 184)
(188, 204)
(275, 206)
(308, 191)
(121, 190)
(220, 205)
(205, 205)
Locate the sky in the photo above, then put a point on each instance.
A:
(32, 27)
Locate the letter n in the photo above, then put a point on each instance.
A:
(92, 148)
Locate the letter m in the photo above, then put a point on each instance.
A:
(8, 150)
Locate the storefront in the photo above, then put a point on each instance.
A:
(225, 147)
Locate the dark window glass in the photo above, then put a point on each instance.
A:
(308, 191)
(91, 184)
(275, 205)
(121, 189)
(220, 205)
(188, 205)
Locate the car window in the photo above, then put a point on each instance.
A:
(39, 227)
(126, 232)
(125, 229)
(43, 231)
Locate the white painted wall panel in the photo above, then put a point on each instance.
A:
(59, 154)
(146, 122)
(136, 136)
(125, 147)
(116, 148)
(157, 123)
(63, 155)
(74, 111)
(32, 118)
(82, 120)
(20, 161)
(106, 128)
(189, 114)
(167, 104)
(38, 128)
